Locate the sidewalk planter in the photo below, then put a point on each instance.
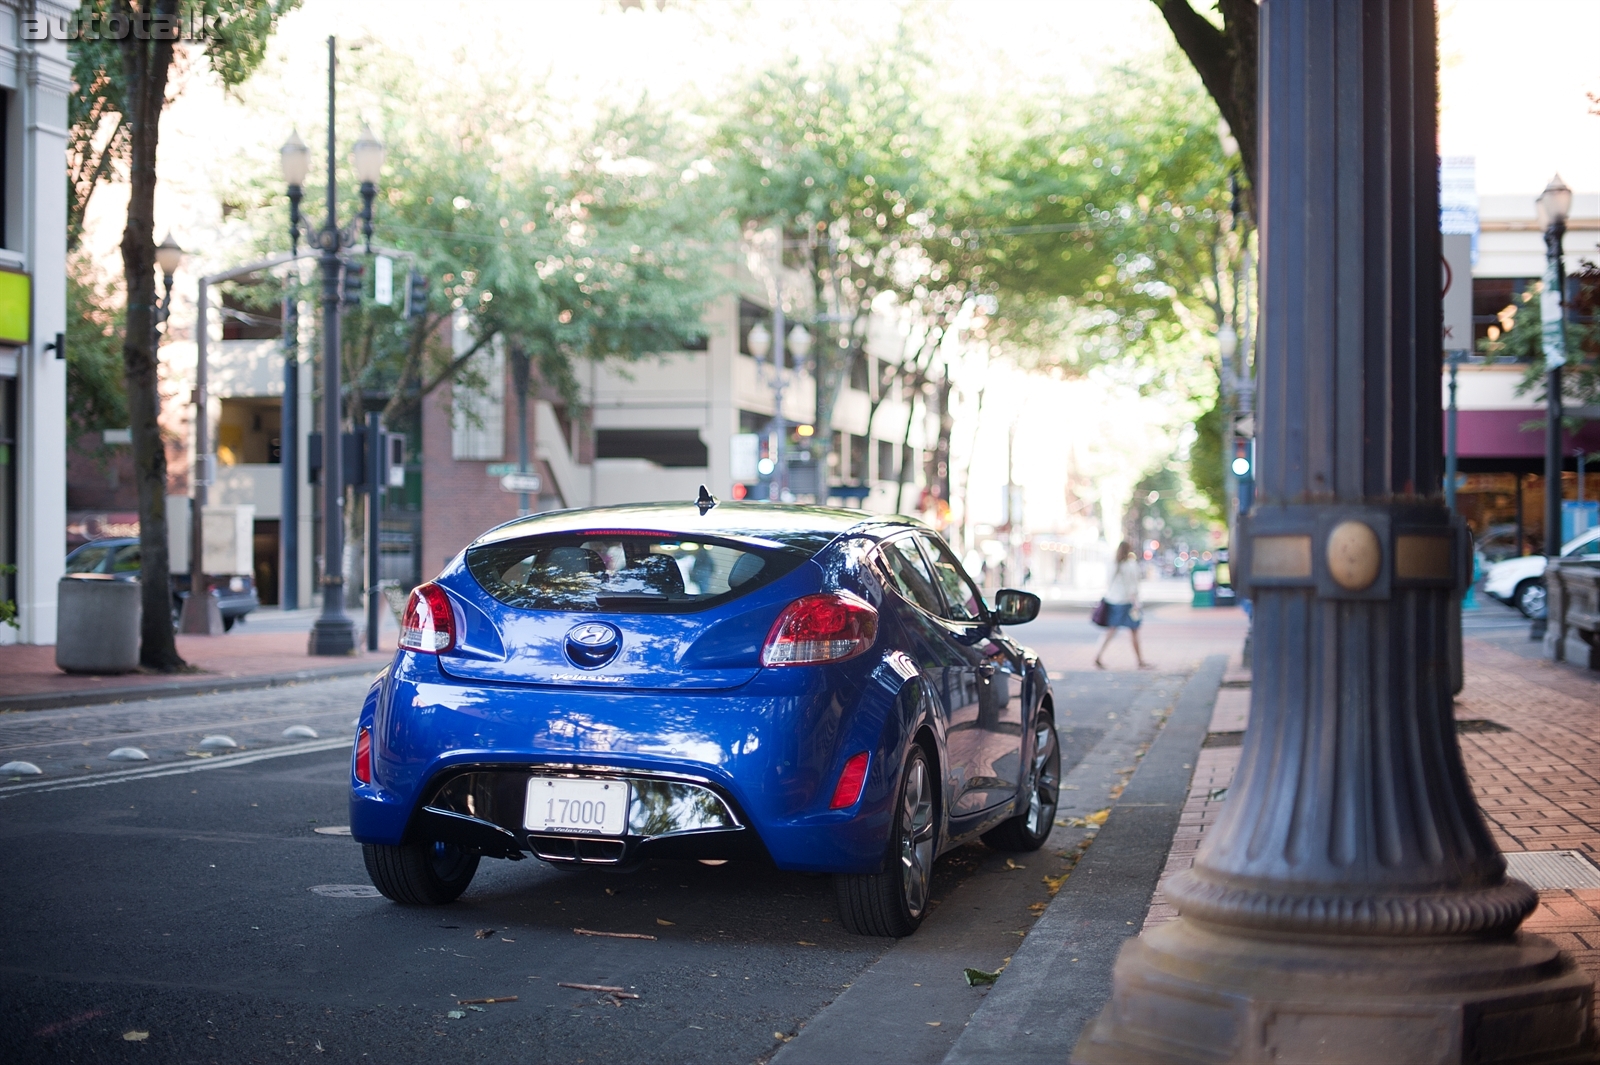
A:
(97, 624)
(1573, 596)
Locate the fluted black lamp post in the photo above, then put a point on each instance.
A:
(1349, 904)
(334, 632)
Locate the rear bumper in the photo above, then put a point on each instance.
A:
(668, 817)
(766, 754)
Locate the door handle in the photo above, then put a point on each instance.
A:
(986, 669)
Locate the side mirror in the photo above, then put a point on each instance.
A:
(1015, 607)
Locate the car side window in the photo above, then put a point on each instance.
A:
(87, 560)
(962, 601)
(126, 559)
(910, 574)
(1590, 548)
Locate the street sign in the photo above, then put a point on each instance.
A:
(500, 469)
(521, 482)
(1457, 294)
(383, 282)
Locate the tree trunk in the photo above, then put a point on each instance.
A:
(146, 64)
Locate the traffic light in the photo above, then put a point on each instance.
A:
(354, 274)
(1241, 458)
(417, 295)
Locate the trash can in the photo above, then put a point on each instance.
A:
(97, 624)
(1203, 583)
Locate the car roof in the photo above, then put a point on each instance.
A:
(771, 523)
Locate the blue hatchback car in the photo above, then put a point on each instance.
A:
(820, 689)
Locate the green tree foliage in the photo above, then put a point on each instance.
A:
(1114, 216)
(122, 88)
(1519, 336)
(96, 392)
(1205, 458)
(836, 159)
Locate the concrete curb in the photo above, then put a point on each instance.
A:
(1061, 975)
(200, 684)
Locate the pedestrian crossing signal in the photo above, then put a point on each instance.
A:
(417, 296)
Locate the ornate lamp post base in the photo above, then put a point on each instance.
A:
(1189, 991)
(333, 636)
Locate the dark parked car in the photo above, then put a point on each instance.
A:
(819, 689)
(236, 596)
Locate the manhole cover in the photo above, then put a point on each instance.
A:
(346, 891)
(1479, 724)
(1553, 870)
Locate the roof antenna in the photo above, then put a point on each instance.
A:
(706, 501)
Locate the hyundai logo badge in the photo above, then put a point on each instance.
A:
(593, 644)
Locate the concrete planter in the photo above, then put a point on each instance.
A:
(1573, 598)
(97, 624)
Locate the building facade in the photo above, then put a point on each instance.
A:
(35, 80)
(1500, 423)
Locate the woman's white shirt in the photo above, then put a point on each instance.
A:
(1124, 587)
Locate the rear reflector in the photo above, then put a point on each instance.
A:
(364, 756)
(820, 628)
(851, 781)
(429, 624)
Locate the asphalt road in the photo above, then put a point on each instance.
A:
(191, 898)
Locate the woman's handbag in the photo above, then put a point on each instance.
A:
(1101, 615)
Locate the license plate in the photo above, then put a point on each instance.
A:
(582, 807)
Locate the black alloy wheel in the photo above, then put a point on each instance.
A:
(894, 902)
(420, 874)
(1028, 830)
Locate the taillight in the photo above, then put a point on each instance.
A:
(429, 624)
(851, 781)
(820, 628)
(364, 756)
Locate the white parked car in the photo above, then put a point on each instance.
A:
(1520, 581)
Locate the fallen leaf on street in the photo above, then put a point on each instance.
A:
(483, 933)
(805, 943)
(1038, 907)
(978, 976)
(611, 935)
(456, 1015)
(135, 1037)
(485, 1001)
(664, 924)
(1013, 865)
(1054, 882)
(933, 1024)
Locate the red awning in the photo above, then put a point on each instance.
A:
(1499, 434)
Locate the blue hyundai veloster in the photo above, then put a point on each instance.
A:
(822, 689)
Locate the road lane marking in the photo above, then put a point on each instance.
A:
(219, 762)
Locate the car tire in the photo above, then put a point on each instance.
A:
(227, 624)
(420, 874)
(894, 902)
(1028, 830)
(1529, 598)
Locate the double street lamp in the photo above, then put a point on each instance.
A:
(760, 342)
(1554, 205)
(334, 631)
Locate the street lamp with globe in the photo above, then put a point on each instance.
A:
(1554, 205)
(334, 631)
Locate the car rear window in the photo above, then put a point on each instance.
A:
(626, 572)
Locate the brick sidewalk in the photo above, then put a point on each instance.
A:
(29, 677)
(1537, 782)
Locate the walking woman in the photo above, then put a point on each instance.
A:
(1122, 597)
